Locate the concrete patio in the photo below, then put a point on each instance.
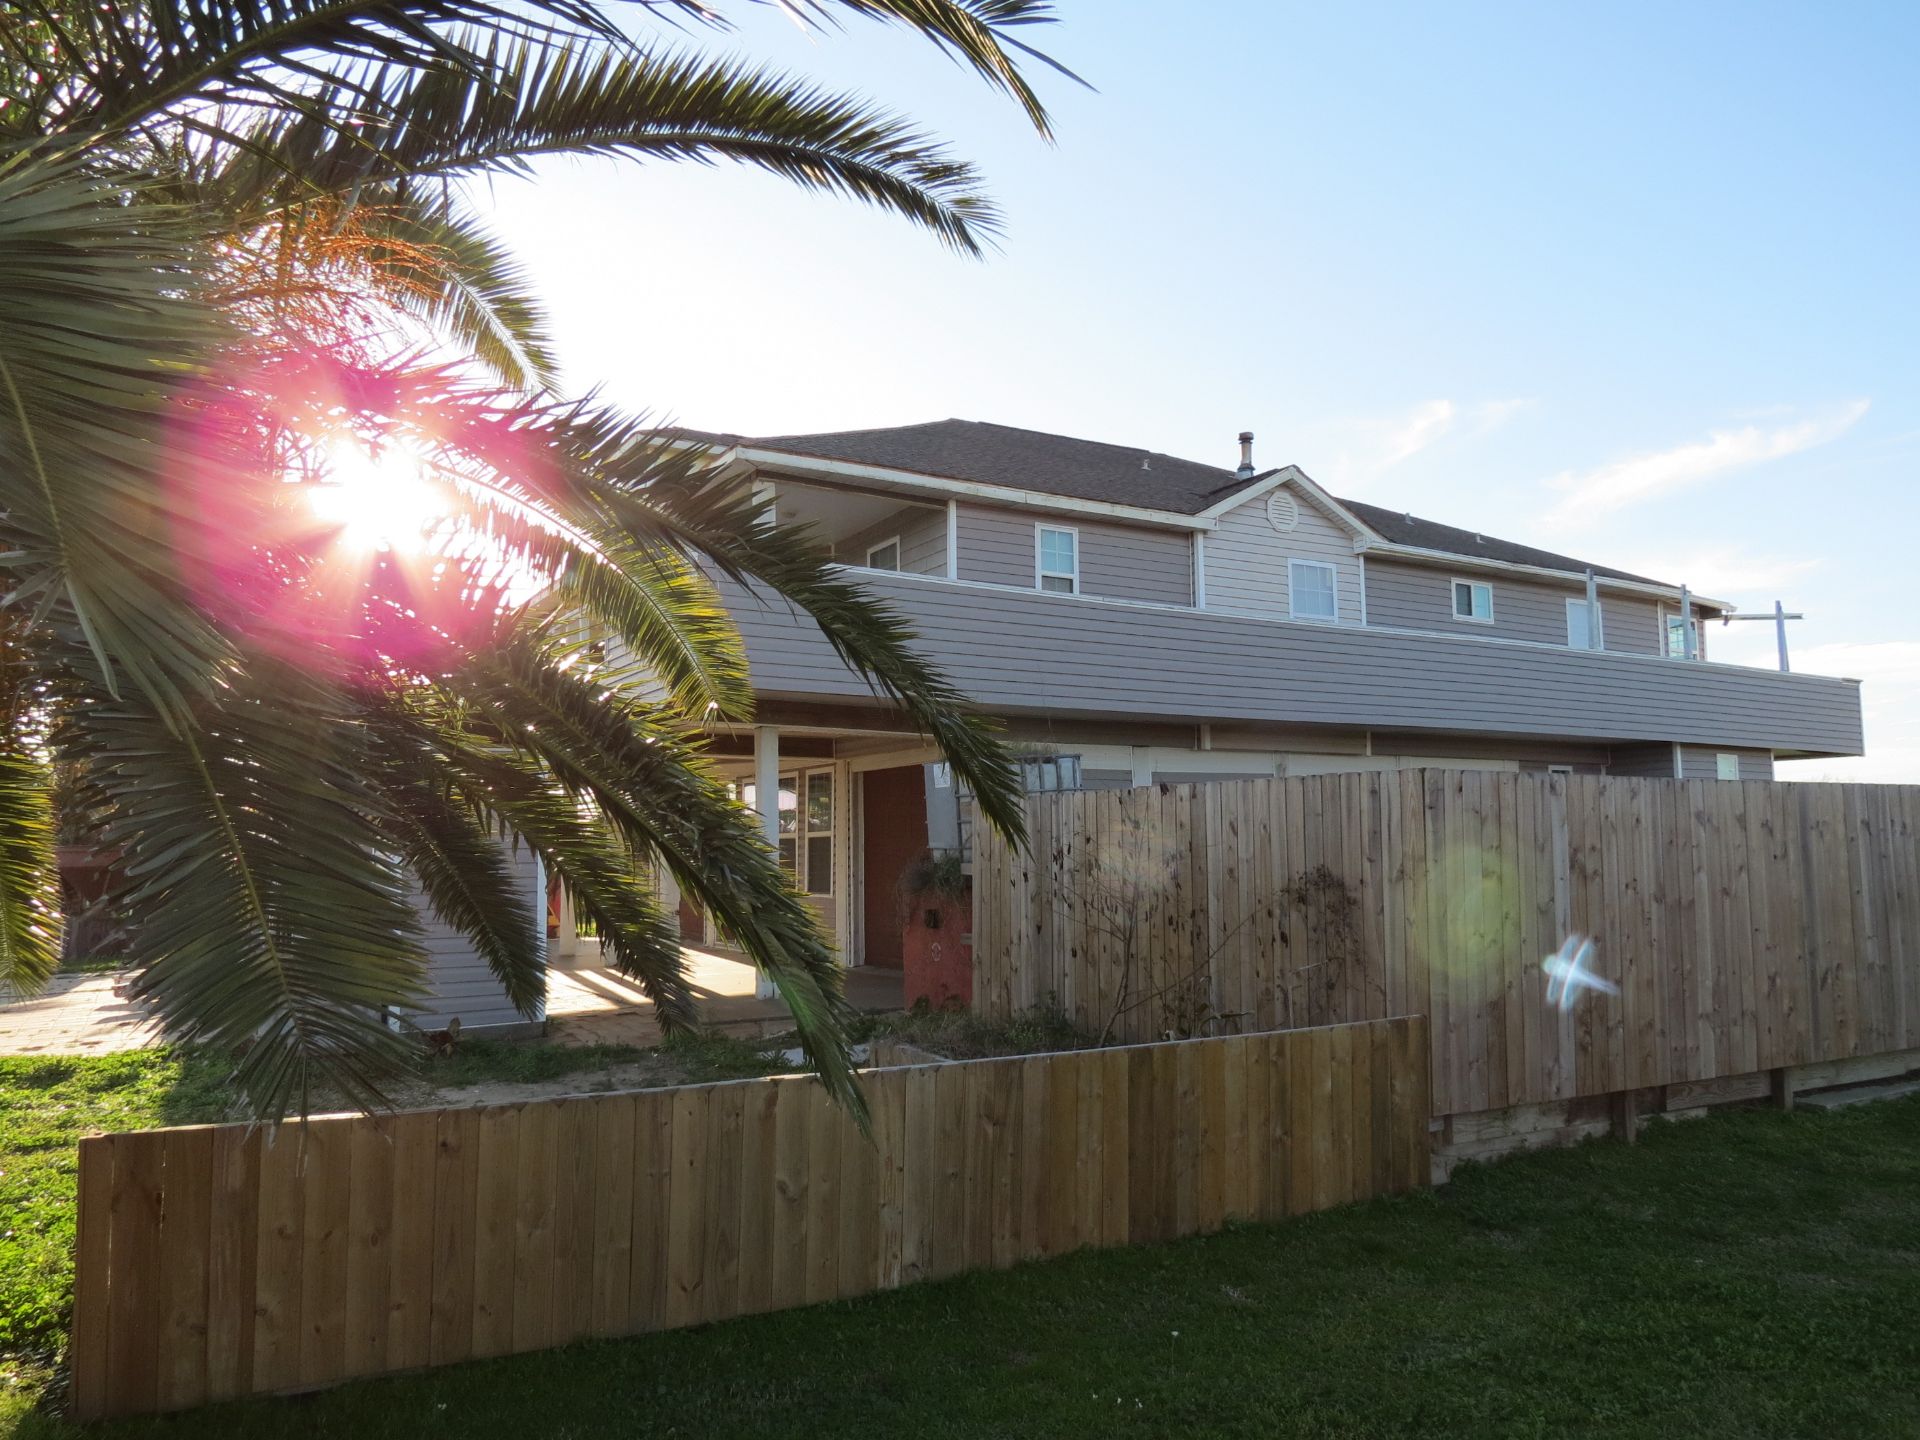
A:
(597, 1006)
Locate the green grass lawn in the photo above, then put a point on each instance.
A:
(1753, 1274)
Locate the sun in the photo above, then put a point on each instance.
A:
(377, 501)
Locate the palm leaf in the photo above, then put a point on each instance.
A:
(631, 762)
(29, 877)
(462, 867)
(273, 919)
(526, 99)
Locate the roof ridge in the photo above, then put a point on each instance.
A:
(1083, 440)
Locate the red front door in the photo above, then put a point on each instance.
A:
(893, 835)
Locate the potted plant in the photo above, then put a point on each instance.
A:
(936, 921)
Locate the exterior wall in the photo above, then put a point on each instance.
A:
(1702, 763)
(459, 984)
(1405, 596)
(923, 540)
(1117, 562)
(1041, 654)
(1697, 762)
(1647, 762)
(1246, 561)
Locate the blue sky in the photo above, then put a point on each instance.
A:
(1638, 282)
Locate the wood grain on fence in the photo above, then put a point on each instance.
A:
(1748, 925)
(217, 1261)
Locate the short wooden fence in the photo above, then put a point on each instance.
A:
(1748, 926)
(220, 1261)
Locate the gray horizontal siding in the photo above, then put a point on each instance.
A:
(1117, 562)
(1702, 763)
(1044, 654)
(923, 540)
(1246, 560)
(1418, 597)
(459, 982)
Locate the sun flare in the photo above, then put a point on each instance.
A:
(378, 502)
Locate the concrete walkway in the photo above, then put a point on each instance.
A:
(83, 1015)
(75, 1015)
(595, 1006)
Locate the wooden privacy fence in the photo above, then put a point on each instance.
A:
(217, 1261)
(1749, 925)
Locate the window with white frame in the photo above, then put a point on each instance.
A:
(1473, 600)
(1312, 590)
(1586, 626)
(885, 555)
(1726, 767)
(1039, 774)
(1057, 559)
(1676, 636)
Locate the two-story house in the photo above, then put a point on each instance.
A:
(1134, 617)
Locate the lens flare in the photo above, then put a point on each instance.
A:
(377, 501)
(1568, 975)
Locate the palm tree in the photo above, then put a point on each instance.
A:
(233, 259)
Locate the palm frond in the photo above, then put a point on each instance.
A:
(633, 764)
(505, 786)
(273, 918)
(527, 99)
(29, 875)
(100, 344)
(657, 485)
(462, 866)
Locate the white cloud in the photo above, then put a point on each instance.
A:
(1645, 476)
(1373, 445)
(1408, 436)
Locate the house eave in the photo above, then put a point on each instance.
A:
(911, 481)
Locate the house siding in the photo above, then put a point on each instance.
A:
(1117, 562)
(1246, 561)
(1702, 762)
(459, 983)
(1046, 654)
(923, 540)
(1405, 596)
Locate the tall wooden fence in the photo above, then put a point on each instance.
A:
(217, 1261)
(1747, 925)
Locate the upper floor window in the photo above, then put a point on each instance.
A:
(1473, 600)
(1676, 636)
(1312, 591)
(1586, 629)
(1057, 559)
(885, 556)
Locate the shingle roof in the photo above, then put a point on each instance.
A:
(1006, 455)
(1025, 460)
(1404, 529)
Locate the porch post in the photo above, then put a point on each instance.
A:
(766, 800)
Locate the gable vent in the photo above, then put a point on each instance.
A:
(1283, 511)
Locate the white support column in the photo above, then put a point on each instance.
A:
(1199, 571)
(953, 539)
(766, 802)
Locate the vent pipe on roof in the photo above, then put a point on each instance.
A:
(1246, 455)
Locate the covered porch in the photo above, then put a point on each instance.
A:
(848, 810)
